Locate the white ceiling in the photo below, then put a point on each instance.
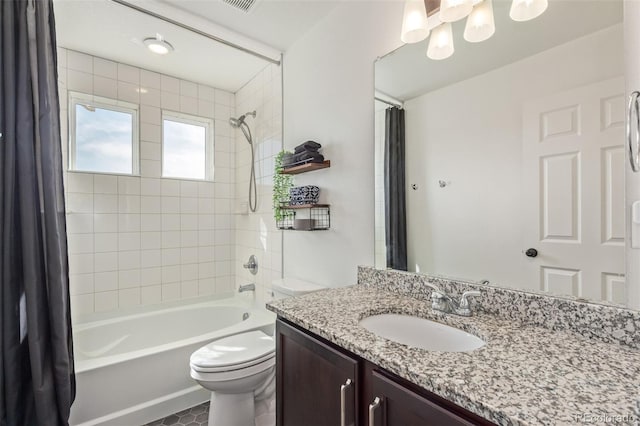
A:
(277, 23)
(407, 72)
(109, 30)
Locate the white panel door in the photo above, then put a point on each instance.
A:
(573, 190)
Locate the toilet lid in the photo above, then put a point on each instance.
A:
(233, 352)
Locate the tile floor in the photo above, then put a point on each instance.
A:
(194, 416)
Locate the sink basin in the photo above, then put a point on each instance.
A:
(421, 333)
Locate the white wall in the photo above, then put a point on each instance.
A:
(137, 240)
(469, 134)
(328, 97)
(256, 232)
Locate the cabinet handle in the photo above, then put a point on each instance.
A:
(372, 410)
(343, 397)
(631, 109)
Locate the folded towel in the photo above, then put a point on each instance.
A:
(310, 146)
(287, 159)
(315, 157)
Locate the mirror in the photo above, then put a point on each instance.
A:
(514, 159)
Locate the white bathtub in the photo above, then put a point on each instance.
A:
(133, 369)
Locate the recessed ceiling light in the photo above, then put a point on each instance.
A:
(158, 45)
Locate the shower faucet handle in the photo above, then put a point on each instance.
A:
(251, 265)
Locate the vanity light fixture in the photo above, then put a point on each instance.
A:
(441, 42)
(480, 24)
(414, 22)
(158, 45)
(525, 10)
(454, 10)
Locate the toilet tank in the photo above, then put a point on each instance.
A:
(288, 287)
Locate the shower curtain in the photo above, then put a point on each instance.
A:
(394, 190)
(37, 383)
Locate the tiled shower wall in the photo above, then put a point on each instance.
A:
(256, 233)
(138, 240)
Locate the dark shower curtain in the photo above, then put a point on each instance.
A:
(394, 189)
(37, 382)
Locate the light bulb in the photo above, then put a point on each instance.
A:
(525, 10)
(454, 10)
(441, 42)
(414, 22)
(158, 45)
(480, 23)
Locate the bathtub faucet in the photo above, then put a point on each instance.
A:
(247, 287)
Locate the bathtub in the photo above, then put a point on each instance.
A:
(134, 368)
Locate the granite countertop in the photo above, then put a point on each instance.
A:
(524, 375)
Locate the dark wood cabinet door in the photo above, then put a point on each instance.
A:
(309, 376)
(401, 406)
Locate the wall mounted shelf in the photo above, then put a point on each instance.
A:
(306, 168)
(317, 217)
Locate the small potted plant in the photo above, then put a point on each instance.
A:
(281, 186)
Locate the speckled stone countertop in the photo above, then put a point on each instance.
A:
(524, 375)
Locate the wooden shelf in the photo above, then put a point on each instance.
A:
(306, 168)
(304, 206)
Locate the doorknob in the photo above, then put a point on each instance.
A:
(531, 252)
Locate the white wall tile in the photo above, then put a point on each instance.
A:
(129, 74)
(151, 258)
(150, 240)
(106, 281)
(150, 132)
(80, 182)
(79, 61)
(170, 291)
(189, 272)
(188, 105)
(149, 114)
(81, 304)
(170, 274)
(149, 79)
(105, 203)
(150, 222)
(105, 222)
(128, 204)
(79, 203)
(151, 276)
(170, 188)
(206, 286)
(104, 262)
(206, 93)
(105, 87)
(79, 81)
(105, 184)
(150, 97)
(128, 92)
(170, 256)
(129, 222)
(150, 186)
(188, 88)
(128, 241)
(128, 260)
(80, 243)
(106, 301)
(169, 84)
(150, 151)
(188, 255)
(170, 205)
(129, 278)
(78, 223)
(170, 101)
(151, 295)
(150, 168)
(189, 289)
(105, 68)
(81, 284)
(128, 185)
(129, 297)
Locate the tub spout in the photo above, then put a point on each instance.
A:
(247, 287)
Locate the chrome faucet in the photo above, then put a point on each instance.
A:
(247, 287)
(442, 302)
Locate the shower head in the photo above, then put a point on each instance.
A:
(236, 122)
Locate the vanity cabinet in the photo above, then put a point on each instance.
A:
(315, 382)
(318, 382)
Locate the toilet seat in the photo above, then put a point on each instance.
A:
(237, 352)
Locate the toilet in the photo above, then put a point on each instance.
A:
(239, 370)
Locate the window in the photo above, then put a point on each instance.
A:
(103, 135)
(187, 146)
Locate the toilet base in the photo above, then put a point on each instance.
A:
(232, 409)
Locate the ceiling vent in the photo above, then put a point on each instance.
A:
(243, 5)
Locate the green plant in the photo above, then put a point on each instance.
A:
(281, 185)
